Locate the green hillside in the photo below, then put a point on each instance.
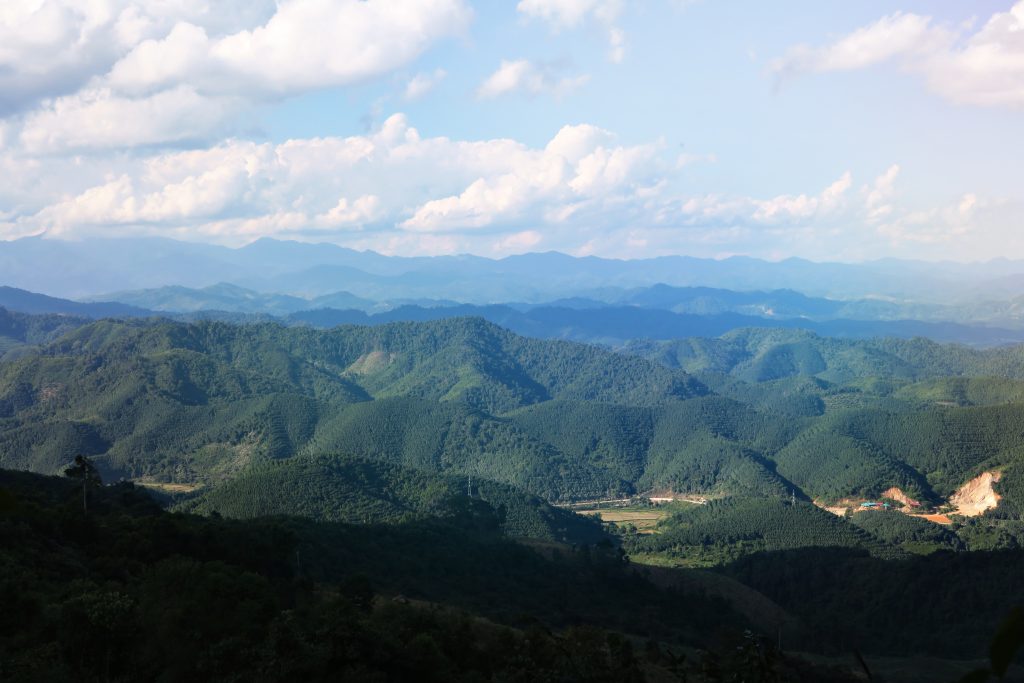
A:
(18, 331)
(725, 530)
(758, 355)
(196, 402)
(909, 533)
(345, 489)
(239, 409)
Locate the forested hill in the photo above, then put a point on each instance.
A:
(467, 358)
(204, 404)
(199, 403)
(18, 330)
(617, 324)
(337, 488)
(128, 592)
(758, 354)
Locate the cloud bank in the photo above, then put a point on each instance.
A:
(983, 68)
(130, 117)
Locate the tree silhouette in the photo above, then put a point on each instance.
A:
(84, 470)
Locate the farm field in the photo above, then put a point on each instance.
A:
(644, 519)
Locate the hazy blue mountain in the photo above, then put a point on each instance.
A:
(586, 320)
(219, 297)
(784, 303)
(29, 302)
(90, 268)
(232, 298)
(616, 325)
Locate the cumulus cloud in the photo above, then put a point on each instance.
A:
(577, 169)
(518, 242)
(562, 14)
(304, 45)
(395, 190)
(390, 181)
(802, 206)
(781, 210)
(942, 225)
(879, 195)
(983, 68)
(365, 209)
(55, 47)
(97, 119)
(422, 83)
(526, 77)
(121, 73)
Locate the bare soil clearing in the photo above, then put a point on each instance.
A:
(970, 500)
(936, 518)
(977, 495)
(897, 494)
(168, 487)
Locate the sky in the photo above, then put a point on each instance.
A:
(821, 129)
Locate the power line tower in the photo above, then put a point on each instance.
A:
(792, 497)
(469, 486)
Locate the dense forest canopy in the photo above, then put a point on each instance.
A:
(382, 433)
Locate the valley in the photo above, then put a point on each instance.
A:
(733, 459)
(545, 341)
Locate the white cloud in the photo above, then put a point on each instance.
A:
(305, 45)
(895, 35)
(790, 207)
(422, 83)
(563, 14)
(941, 225)
(878, 196)
(396, 191)
(524, 76)
(365, 209)
(576, 169)
(99, 119)
(518, 242)
(386, 183)
(983, 68)
(780, 210)
(55, 47)
(88, 74)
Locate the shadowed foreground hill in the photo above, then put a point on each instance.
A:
(129, 592)
(342, 489)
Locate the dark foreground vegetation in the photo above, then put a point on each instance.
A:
(120, 590)
(381, 501)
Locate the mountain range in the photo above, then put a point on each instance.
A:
(651, 314)
(363, 443)
(97, 267)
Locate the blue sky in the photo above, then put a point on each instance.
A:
(827, 130)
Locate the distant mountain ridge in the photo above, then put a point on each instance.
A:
(656, 313)
(24, 301)
(616, 325)
(96, 267)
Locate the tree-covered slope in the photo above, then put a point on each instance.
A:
(764, 354)
(200, 403)
(345, 489)
(463, 358)
(19, 330)
(725, 530)
(130, 592)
